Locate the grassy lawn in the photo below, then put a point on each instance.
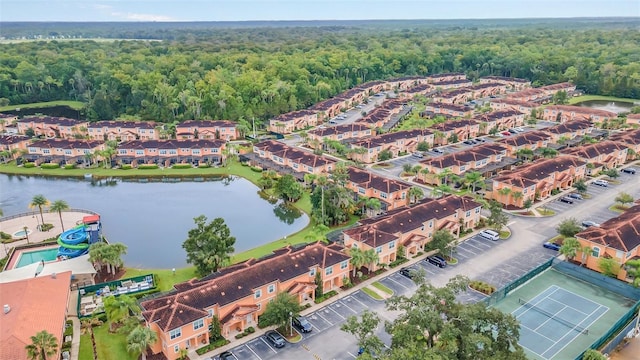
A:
(545, 212)
(504, 234)
(578, 99)
(556, 239)
(165, 277)
(110, 346)
(618, 208)
(76, 105)
(371, 293)
(381, 287)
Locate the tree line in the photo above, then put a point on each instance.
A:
(258, 73)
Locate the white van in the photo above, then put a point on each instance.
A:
(490, 234)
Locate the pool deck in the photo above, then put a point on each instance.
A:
(13, 261)
(31, 221)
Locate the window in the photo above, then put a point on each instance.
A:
(174, 334)
(271, 288)
(361, 190)
(139, 152)
(378, 249)
(198, 324)
(173, 152)
(344, 264)
(422, 229)
(431, 223)
(328, 271)
(210, 311)
(595, 252)
(312, 272)
(195, 151)
(468, 213)
(214, 150)
(620, 254)
(383, 195)
(392, 245)
(46, 151)
(176, 348)
(163, 152)
(478, 210)
(258, 294)
(463, 168)
(122, 151)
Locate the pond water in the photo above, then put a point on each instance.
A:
(153, 218)
(613, 106)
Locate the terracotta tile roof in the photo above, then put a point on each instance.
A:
(505, 79)
(476, 153)
(51, 120)
(569, 127)
(627, 137)
(525, 104)
(171, 144)
(122, 124)
(368, 180)
(66, 144)
(206, 123)
(454, 107)
(339, 129)
(580, 110)
(236, 282)
(538, 170)
(12, 139)
(392, 137)
(528, 138)
(591, 151)
(36, 304)
(453, 125)
(621, 232)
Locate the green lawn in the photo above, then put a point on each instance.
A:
(165, 277)
(383, 288)
(76, 105)
(578, 99)
(110, 346)
(371, 293)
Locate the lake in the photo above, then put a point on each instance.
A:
(153, 218)
(613, 106)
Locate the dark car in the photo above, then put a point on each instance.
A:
(566, 199)
(301, 323)
(469, 142)
(438, 150)
(437, 261)
(407, 272)
(552, 246)
(480, 140)
(589, 223)
(275, 339)
(575, 196)
(227, 355)
(629, 170)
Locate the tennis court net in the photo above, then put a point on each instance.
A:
(575, 327)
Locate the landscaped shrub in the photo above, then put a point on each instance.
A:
(482, 287)
(325, 296)
(182, 166)
(126, 167)
(148, 167)
(66, 345)
(50, 166)
(398, 261)
(70, 166)
(239, 336)
(204, 166)
(5, 236)
(250, 330)
(212, 345)
(29, 165)
(46, 227)
(256, 169)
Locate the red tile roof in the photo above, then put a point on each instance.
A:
(621, 232)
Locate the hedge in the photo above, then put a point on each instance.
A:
(148, 167)
(324, 297)
(50, 166)
(29, 165)
(126, 167)
(213, 345)
(182, 166)
(70, 166)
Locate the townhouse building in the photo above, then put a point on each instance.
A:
(123, 130)
(170, 152)
(633, 119)
(513, 84)
(368, 150)
(630, 139)
(485, 158)
(453, 110)
(534, 95)
(63, 151)
(617, 238)
(552, 89)
(456, 96)
(412, 227)
(422, 89)
(451, 76)
(500, 120)
(600, 156)
(53, 127)
(12, 145)
(317, 137)
(570, 130)
(295, 120)
(6, 120)
(451, 84)
(532, 140)
(465, 94)
(332, 107)
(208, 129)
(454, 131)
(380, 116)
(562, 113)
(391, 193)
(536, 180)
(405, 83)
(278, 156)
(524, 107)
(238, 294)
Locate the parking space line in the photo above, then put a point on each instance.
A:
(460, 248)
(473, 246)
(337, 313)
(266, 343)
(479, 243)
(348, 307)
(254, 353)
(323, 318)
(354, 299)
(355, 357)
(396, 282)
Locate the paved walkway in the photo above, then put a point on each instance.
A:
(31, 222)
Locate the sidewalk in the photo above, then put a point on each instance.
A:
(341, 294)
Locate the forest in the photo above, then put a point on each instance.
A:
(259, 72)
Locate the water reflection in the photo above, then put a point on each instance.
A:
(286, 213)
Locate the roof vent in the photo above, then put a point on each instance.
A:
(6, 308)
(53, 275)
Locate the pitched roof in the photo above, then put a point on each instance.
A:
(51, 120)
(591, 151)
(339, 129)
(12, 139)
(66, 144)
(294, 154)
(627, 137)
(621, 232)
(528, 138)
(505, 79)
(236, 282)
(476, 153)
(36, 304)
(581, 110)
(171, 144)
(513, 102)
(390, 138)
(530, 174)
(207, 123)
(569, 127)
(122, 124)
(368, 180)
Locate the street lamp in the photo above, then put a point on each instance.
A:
(290, 324)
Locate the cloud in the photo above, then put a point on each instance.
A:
(109, 10)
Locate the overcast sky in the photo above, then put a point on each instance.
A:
(241, 10)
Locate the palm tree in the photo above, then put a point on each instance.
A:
(548, 152)
(440, 190)
(59, 206)
(119, 308)
(370, 257)
(357, 259)
(517, 196)
(472, 178)
(586, 250)
(39, 201)
(322, 181)
(444, 175)
(415, 194)
(113, 256)
(570, 248)
(504, 192)
(374, 205)
(140, 339)
(43, 345)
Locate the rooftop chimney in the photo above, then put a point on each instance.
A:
(6, 308)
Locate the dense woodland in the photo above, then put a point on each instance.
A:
(244, 73)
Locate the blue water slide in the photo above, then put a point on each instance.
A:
(71, 253)
(74, 236)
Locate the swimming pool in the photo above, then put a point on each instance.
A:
(30, 257)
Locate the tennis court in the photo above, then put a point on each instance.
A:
(560, 315)
(553, 319)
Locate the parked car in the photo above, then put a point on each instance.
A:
(407, 272)
(275, 339)
(629, 170)
(227, 355)
(513, 131)
(301, 323)
(438, 150)
(519, 129)
(566, 199)
(437, 261)
(589, 223)
(575, 196)
(552, 246)
(603, 183)
(417, 154)
(480, 140)
(506, 133)
(490, 235)
(469, 142)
